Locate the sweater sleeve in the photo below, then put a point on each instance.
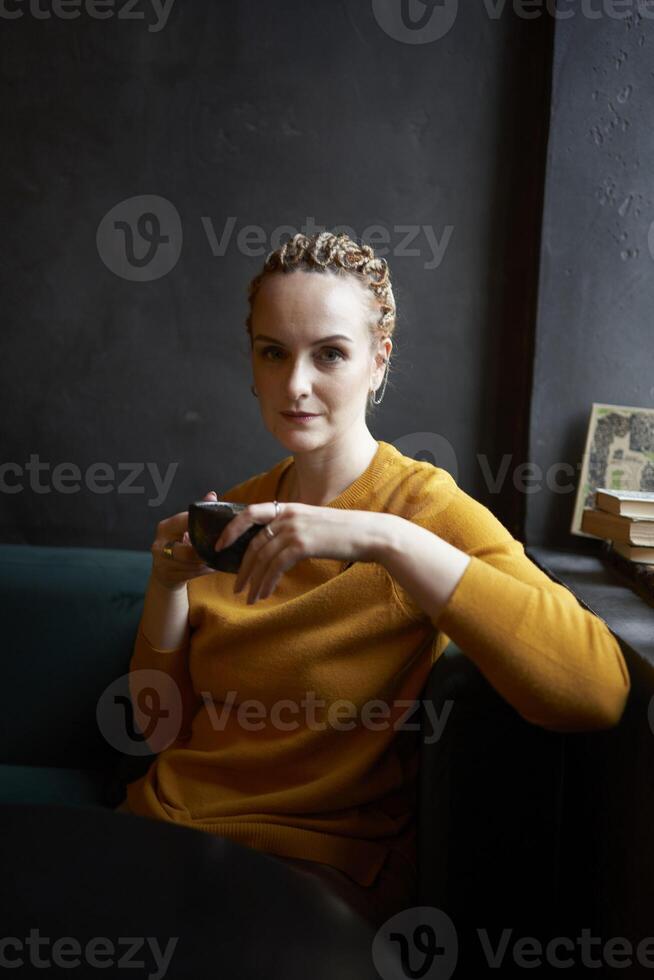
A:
(164, 700)
(557, 663)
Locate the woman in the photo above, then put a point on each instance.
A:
(368, 564)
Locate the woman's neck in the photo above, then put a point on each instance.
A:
(317, 485)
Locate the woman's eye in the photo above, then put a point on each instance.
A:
(335, 350)
(330, 360)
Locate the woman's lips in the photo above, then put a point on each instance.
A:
(299, 418)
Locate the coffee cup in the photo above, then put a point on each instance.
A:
(206, 521)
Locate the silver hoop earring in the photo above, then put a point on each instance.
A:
(377, 401)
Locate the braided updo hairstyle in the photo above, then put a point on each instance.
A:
(325, 252)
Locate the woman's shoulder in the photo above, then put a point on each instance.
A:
(431, 496)
(418, 485)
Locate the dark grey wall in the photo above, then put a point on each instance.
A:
(595, 327)
(266, 115)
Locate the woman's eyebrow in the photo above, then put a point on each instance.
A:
(334, 336)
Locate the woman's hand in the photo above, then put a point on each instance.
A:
(300, 531)
(173, 573)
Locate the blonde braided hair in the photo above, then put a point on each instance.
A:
(340, 255)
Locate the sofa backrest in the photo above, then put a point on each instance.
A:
(70, 617)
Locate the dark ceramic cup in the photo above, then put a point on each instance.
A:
(206, 521)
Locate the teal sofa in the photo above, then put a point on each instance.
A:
(70, 616)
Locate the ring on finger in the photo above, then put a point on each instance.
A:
(167, 549)
(278, 510)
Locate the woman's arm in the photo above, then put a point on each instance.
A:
(162, 644)
(165, 616)
(554, 661)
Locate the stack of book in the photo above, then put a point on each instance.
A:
(624, 519)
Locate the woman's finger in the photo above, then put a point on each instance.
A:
(173, 528)
(184, 553)
(266, 576)
(250, 558)
(262, 514)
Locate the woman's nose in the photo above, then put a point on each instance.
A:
(298, 379)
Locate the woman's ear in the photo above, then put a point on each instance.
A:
(384, 352)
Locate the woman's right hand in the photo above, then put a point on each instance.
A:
(174, 573)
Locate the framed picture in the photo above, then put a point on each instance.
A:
(619, 455)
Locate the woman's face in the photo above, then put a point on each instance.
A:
(298, 363)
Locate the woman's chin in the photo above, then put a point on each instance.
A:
(299, 434)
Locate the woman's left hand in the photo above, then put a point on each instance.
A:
(300, 531)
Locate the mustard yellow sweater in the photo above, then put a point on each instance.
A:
(297, 734)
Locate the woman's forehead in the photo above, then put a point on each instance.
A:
(317, 295)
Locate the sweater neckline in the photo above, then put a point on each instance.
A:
(360, 488)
